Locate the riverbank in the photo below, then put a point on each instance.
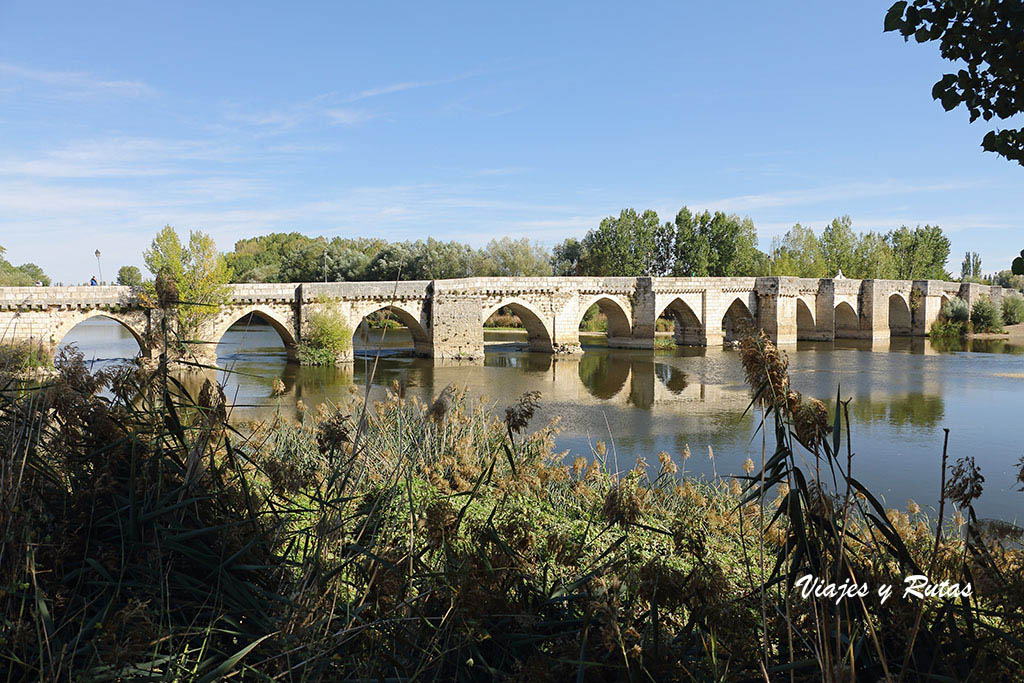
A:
(456, 541)
(1014, 333)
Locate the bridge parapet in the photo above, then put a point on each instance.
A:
(76, 297)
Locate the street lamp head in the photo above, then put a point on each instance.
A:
(97, 253)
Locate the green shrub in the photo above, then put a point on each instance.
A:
(309, 355)
(955, 310)
(1013, 310)
(947, 329)
(594, 320)
(985, 316)
(327, 337)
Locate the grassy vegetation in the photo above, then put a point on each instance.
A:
(954, 321)
(985, 316)
(1013, 310)
(504, 320)
(145, 537)
(328, 336)
(21, 356)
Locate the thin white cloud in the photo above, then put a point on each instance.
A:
(119, 157)
(408, 85)
(77, 83)
(831, 193)
(315, 109)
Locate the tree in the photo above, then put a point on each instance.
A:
(970, 269)
(129, 276)
(838, 244)
(872, 258)
(566, 257)
(1017, 267)
(797, 254)
(519, 258)
(715, 245)
(985, 37)
(198, 273)
(25, 275)
(919, 254)
(623, 246)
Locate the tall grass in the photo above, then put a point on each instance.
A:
(146, 537)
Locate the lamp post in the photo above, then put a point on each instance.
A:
(98, 266)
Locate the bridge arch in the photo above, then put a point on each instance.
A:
(689, 330)
(900, 321)
(805, 327)
(283, 327)
(538, 334)
(614, 310)
(128, 322)
(847, 324)
(737, 321)
(420, 336)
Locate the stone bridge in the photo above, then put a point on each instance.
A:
(445, 317)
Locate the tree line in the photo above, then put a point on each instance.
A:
(25, 275)
(694, 244)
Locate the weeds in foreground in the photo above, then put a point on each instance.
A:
(146, 537)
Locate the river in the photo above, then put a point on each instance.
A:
(638, 403)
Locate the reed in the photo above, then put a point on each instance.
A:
(146, 536)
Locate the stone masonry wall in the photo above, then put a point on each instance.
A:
(446, 316)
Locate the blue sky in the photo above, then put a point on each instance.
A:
(471, 121)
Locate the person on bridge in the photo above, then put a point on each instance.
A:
(92, 281)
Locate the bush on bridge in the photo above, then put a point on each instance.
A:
(985, 317)
(1013, 310)
(954, 320)
(328, 336)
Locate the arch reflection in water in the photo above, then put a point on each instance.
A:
(603, 374)
(903, 394)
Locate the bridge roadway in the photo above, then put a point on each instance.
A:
(445, 317)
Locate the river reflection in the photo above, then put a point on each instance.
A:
(641, 402)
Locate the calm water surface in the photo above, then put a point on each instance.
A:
(639, 403)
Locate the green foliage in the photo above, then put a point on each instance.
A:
(970, 269)
(631, 244)
(198, 274)
(624, 246)
(872, 258)
(798, 254)
(985, 317)
(25, 275)
(1013, 310)
(919, 254)
(902, 254)
(328, 336)
(984, 38)
(955, 310)
(507, 257)
(838, 247)
(151, 539)
(593, 320)
(1017, 267)
(713, 245)
(1006, 278)
(566, 258)
(129, 276)
(946, 330)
